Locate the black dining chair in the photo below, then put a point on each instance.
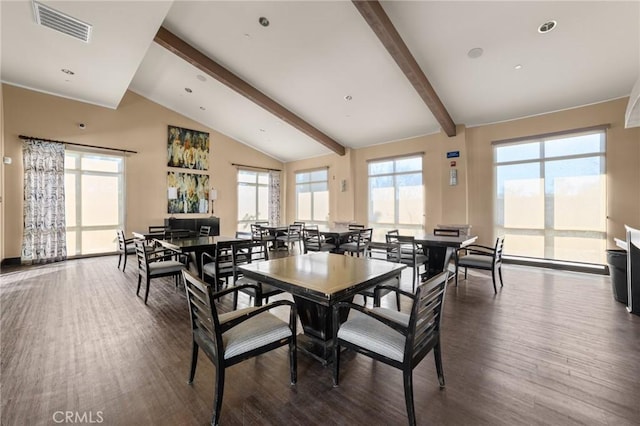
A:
(395, 338)
(314, 241)
(230, 338)
(477, 256)
(157, 263)
(246, 253)
(388, 252)
(292, 236)
(356, 241)
(410, 254)
(217, 267)
(126, 247)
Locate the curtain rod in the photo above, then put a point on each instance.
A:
(256, 167)
(77, 144)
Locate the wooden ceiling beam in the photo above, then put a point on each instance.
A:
(199, 60)
(376, 17)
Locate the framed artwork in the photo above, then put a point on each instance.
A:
(187, 193)
(188, 149)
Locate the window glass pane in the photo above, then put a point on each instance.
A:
(319, 186)
(524, 151)
(263, 203)
(303, 187)
(98, 241)
(525, 245)
(302, 177)
(70, 161)
(520, 196)
(321, 206)
(101, 164)
(100, 201)
(409, 164)
(382, 199)
(380, 167)
(318, 175)
(263, 178)
(72, 247)
(246, 202)
(410, 205)
(582, 144)
(246, 176)
(304, 206)
(575, 248)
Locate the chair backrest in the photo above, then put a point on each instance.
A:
(363, 236)
(244, 235)
(203, 312)
(122, 245)
(223, 259)
(204, 231)
(262, 222)
(302, 224)
(383, 251)
(426, 316)
(258, 232)
(312, 240)
(246, 252)
(447, 232)
(158, 228)
(355, 226)
(141, 256)
(497, 254)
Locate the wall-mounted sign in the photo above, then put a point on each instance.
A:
(453, 154)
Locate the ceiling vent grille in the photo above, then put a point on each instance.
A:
(51, 18)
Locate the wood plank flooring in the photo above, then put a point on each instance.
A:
(551, 348)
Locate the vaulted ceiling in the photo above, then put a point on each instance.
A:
(324, 64)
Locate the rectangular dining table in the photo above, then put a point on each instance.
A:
(440, 250)
(317, 281)
(195, 246)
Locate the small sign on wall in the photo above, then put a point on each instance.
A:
(453, 154)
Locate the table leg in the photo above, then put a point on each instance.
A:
(317, 322)
(438, 258)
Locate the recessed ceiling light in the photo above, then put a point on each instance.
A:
(547, 26)
(201, 77)
(518, 67)
(348, 98)
(263, 21)
(66, 71)
(186, 89)
(474, 53)
(202, 108)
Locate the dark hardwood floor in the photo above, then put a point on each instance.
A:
(550, 348)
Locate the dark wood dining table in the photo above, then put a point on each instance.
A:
(441, 249)
(317, 281)
(195, 246)
(337, 235)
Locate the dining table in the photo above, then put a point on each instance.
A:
(317, 281)
(440, 250)
(195, 246)
(336, 235)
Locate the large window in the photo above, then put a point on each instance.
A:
(94, 201)
(550, 197)
(396, 196)
(253, 198)
(312, 196)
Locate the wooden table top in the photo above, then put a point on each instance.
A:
(322, 277)
(195, 243)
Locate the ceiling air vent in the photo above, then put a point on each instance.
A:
(51, 18)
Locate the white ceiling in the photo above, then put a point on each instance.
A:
(315, 53)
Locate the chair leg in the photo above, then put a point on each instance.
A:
(119, 259)
(456, 271)
(219, 390)
(194, 361)
(336, 365)
(124, 266)
(139, 281)
(146, 293)
(235, 300)
(293, 360)
(398, 301)
(500, 274)
(493, 279)
(437, 354)
(408, 395)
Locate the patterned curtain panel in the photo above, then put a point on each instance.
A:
(44, 236)
(274, 198)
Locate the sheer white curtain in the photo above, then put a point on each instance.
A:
(274, 198)
(44, 235)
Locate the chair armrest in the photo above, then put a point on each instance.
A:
(155, 256)
(479, 249)
(396, 289)
(205, 254)
(239, 320)
(129, 240)
(386, 321)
